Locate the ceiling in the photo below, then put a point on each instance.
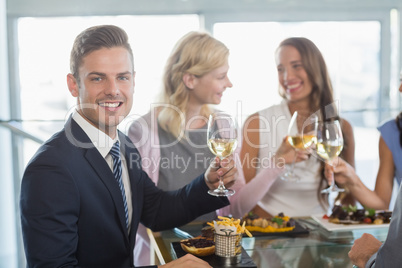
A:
(16, 8)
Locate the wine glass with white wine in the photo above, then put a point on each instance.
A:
(222, 141)
(302, 133)
(329, 146)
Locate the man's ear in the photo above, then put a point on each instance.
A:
(189, 80)
(72, 84)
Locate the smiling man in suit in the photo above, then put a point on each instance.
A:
(82, 196)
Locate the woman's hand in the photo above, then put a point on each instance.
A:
(344, 173)
(286, 154)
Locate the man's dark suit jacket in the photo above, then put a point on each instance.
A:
(72, 211)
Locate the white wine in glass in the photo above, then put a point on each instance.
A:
(299, 142)
(301, 135)
(329, 146)
(222, 147)
(328, 151)
(222, 141)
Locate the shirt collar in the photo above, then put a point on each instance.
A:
(100, 140)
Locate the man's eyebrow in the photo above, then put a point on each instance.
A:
(103, 74)
(96, 73)
(125, 73)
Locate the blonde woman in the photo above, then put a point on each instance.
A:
(171, 138)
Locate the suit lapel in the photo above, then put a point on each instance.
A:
(99, 165)
(105, 174)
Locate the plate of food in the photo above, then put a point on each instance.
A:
(246, 260)
(344, 218)
(207, 246)
(279, 225)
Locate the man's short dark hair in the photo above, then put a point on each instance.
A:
(95, 38)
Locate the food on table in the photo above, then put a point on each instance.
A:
(199, 246)
(352, 215)
(278, 223)
(204, 244)
(208, 231)
(228, 233)
(231, 223)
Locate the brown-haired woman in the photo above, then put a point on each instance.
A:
(306, 88)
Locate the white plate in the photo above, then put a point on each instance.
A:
(345, 227)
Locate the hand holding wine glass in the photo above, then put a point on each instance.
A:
(222, 141)
(301, 135)
(329, 146)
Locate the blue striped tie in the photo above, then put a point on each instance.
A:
(115, 152)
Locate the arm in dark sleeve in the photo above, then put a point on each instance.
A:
(49, 212)
(165, 210)
(389, 253)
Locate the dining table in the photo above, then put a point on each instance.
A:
(311, 244)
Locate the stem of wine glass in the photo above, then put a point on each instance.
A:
(289, 172)
(221, 186)
(332, 181)
(332, 187)
(221, 190)
(331, 163)
(292, 166)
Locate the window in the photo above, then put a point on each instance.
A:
(352, 60)
(44, 60)
(351, 50)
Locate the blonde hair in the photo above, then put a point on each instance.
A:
(196, 53)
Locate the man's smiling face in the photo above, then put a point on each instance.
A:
(105, 88)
